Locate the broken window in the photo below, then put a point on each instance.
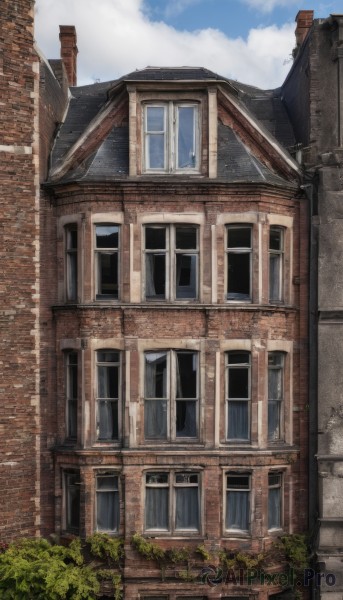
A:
(107, 261)
(276, 264)
(238, 395)
(107, 502)
(171, 395)
(72, 501)
(239, 254)
(171, 262)
(274, 500)
(108, 384)
(72, 394)
(71, 262)
(238, 501)
(172, 501)
(275, 394)
(171, 134)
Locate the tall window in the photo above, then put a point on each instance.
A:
(107, 502)
(276, 239)
(171, 134)
(107, 262)
(72, 501)
(238, 501)
(171, 262)
(274, 501)
(108, 385)
(72, 394)
(172, 501)
(171, 395)
(239, 253)
(238, 395)
(275, 394)
(71, 262)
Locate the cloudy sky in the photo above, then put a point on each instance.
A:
(247, 40)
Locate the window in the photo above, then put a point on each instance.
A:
(71, 395)
(274, 500)
(239, 253)
(171, 137)
(71, 263)
(275, 394)
(276, 264)
(171, 395)
(238, 502)
(72, 501)
(171, 262)
(107, 502)
(238, 389)
(172, 501)
(106, 259)
(108, 384)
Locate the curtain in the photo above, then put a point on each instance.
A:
(274, 276)
(237, 510)
(187, 508)
(108, 420)
(274, 508)
(156, 375)
(186, 276)
(156, 508)
(238, 425)
(155, 419)
(107, 511)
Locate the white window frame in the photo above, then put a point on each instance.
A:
(228, 490)
(238, 250)
(277, 254)
(171, 252)
(229, 399)
(170, 133)
(98, 399)
(107, 474)
(172, 485)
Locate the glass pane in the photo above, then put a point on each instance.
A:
(72, 419)
(155, 375)
(107, 511)
(157, 478)
(186, 137)
(239, 382)
(155, 151)
(238, 481)
(237, 510)
(108, 274)
(107, 236)
(239, 276)
(108, 420)
(72, 276)
(275, 264)
(187, 508)
(107, 482)
(238, 358)
(155, 419)
(71, 239)
(275, 387)
(239, 237)
(186, 478)
(186, 374)
(186, 267)
(108, 382)
(186, 419)
(273, 420)
(275, 239)
(155, 278)
(73, 502)
(72, 376)
(238, 426)
(156, 508)
(155, 238)
(155, 118)
(274, 508)
(186, 238)
(108, 356)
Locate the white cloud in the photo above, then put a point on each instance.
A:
(176, 7)
(116, 37)
(267, 6)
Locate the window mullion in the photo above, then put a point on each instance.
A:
(172, 263)
(171, 134)
(172, 396)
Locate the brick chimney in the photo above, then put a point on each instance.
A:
(304, 20)
(69, 51)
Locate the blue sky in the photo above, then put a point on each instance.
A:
(246, 40)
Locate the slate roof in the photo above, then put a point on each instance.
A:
(111, 160)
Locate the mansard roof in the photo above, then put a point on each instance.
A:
(109, 160)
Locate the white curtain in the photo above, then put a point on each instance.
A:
(187, 508)
(156, 508)
(237, 510)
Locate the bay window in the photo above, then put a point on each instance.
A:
(171, 137)
(107, 261)
(171, 395)
(237, 502)
(172, 501)
(108, 395)
(238, 395)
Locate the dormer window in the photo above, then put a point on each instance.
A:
(171, 137)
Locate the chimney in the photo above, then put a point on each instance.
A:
(69, 51)
(304, 20)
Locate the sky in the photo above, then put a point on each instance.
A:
(246, 40)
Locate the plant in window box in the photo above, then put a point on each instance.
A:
(178, 555)
(147, 549)
(107, 548)
(203, 552)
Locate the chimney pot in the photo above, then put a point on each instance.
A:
(69, 51)
(304, 21)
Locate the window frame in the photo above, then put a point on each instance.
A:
(71, 253)
(98, 398)
(236, 531)
(171, 136)
(171, 400)
(281, 408)
(248, 400)
(279, 254)
(108, 474)
(276, 486)
(235, 251)
(172, 486)
(69, 396)
(67, 500)
(106, 251)
(171, 253)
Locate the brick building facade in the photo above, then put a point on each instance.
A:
(162, 331)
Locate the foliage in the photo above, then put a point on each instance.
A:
(33, 568)
(105, 547)
(147, 549)
(178, 555)
(296, 552)
(204, 553)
